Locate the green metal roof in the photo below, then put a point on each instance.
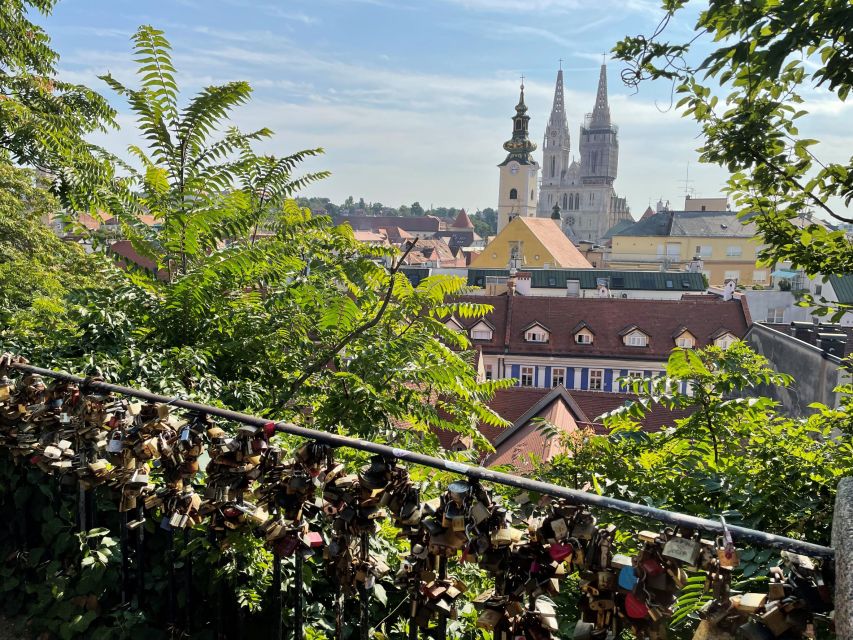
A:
(842, 285)
(589, 279)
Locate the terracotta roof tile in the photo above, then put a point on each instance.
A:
(606, 318)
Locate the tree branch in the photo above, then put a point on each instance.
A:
(355, 333)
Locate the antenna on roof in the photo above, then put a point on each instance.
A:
(688, 190)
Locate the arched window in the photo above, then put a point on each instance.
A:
(577, 201)
(565, 206)
(553, 166)
(532, 194)
(513, 194)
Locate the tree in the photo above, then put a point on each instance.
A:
(38, 271)
(376, 208)
(417, 209)
(485, 222)
(746, 94)
(43, 120)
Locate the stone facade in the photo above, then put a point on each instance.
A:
(583, 190)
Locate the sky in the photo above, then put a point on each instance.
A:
(410, 99)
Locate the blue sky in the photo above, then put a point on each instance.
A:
(410, 99)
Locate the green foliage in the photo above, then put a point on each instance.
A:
(735, 456)
(43, 120)
(745, 95)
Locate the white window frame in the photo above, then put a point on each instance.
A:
(775, 315)
(759, 275)
(525, 371)
(481, 331)
(599, 377)
(734, 251)
(731, 275)
(685, 341)
(537, 335)
(725, 341)
(587, 338)
(636, 339)
(562, 374)
(704, 250)
(489, 371)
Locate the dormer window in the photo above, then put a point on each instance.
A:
(536, 333)
(482, 331)
(634, 337)
(582, 333)
(685, 339)
(454, 325)
(724, 340)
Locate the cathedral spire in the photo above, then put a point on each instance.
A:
(520, 146)
(601, 111)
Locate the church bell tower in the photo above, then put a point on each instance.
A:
(519, 172)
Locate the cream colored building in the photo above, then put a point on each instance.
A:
(530, 242)
(717, 243)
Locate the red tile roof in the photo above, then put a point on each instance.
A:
(606, 318)
(462, 221)
(407, 223)
(124, 249)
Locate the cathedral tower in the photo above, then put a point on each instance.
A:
(557, 143)
(519, 172)
(599, 143)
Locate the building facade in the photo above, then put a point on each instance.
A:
(588, 344)
(530, 242)
(715, 243)
(582, 191)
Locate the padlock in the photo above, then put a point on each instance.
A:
(489, 619)
(115, 443)
(749, 602)
(681, 549)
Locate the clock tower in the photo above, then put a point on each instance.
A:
(519, 181)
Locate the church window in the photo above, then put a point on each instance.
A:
(518, 125)
(532, 193)
(553, 166)
(513, 194)
(577, 201)
(565, 206)
(591, 197)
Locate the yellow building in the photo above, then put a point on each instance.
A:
(531, 243)
(717, 243)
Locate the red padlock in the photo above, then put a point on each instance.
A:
(635, 608)
(559, 551)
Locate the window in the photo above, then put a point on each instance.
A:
(532, 193)
(776, 315)
(818, 289)
(733, 250)
(526, 376)
(558, 377)
(637, 339)
(731, 275)
(596, 379)
(537, 334)
(481, 331)
(583, 337)
(488, 369)
(565, 202)
(513, 194)
(673, 250)
(632, 375)
(759, 276)
(685, 341)
(703, 250)
(724, 341)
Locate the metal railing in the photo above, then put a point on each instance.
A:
(672, 518)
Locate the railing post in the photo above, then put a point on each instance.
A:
(842, 542)
(297, 601)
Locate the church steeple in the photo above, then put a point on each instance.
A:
(557, 143)
(601, 110)
(599, 140)
(520, 146)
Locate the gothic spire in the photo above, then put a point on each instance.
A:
(558, 127)
(601, 111)
(520, 146)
